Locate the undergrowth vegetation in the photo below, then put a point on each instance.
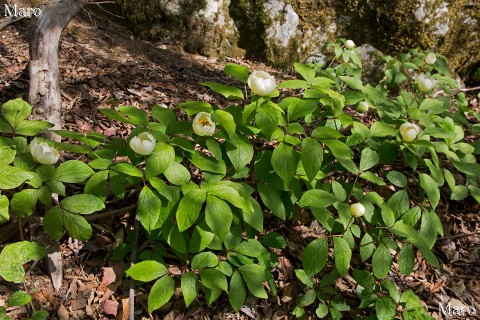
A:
(210, 180)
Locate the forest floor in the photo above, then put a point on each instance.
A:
(102, 65)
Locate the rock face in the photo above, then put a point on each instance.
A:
(282, 31)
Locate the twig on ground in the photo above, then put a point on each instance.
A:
(459, 235)
(133, 259)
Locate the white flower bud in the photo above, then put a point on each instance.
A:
(431, 58)
(425, 84)
(349, 44)
(362, 107)
(43, 153)
(357, 210)
(261, 83)
(203, 124)
(143, 144)
(409, 131)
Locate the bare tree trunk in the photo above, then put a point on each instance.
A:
(44, 95)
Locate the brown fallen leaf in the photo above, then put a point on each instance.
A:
(108, 278)
(63, 313)
(110, 307)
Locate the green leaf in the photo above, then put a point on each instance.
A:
(251, 248)
(311, 157)
(53, 223)
(189, 208)
(366, 249)
(372, 177)
(304, 278)
(12, 177)
(97, 184)
(15, 111)
(254, 218)
(73, 171)
(227, 192)
(254, 275)
(229, 92)
(298, 108)
(23, 203)
(7, 155)
(406, 259)
(293, 84)
(207, 163)
(194, 107)
(18, 299)
(136, 116)
(382, 261)
(431, 188)
(240, 152)
(128, 169)
(317, 199)
(305, 71)
(379, 129)
(163, 115)
(273, 240)
(397, 178)
(272, 200)
(162, 157)
(267, 120)
(343, 255)
(285, 161)
(368, 159)
(82, 203)
(32, 127)
(321, 311)
(200, 239)
(352, 82)
(204, 260)
(4, 215)
(146, 271)
(308, 298)
(237, 71)
(148, 210)
(218, 216)
(77, 226)
(161, 292)
(385, 308)
(339, 149)
(315, 256)
(39, 315)
(226, 120)
(238, 291)
(177, 174)
(214, 279)
(388, 215)
(14, 256)
(326, 133)
(190, 286)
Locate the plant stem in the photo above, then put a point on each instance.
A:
(133, 259)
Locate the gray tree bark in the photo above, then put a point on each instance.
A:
(44, 95)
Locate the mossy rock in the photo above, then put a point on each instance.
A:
(283, 31)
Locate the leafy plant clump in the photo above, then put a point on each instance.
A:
(208, 180)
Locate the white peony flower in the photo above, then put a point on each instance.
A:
(203, 124)
(357, 210)
(362, 107)
(409, 131)
(43, 153)
(349, 44)
(143, 144)
(431, 58)
(261, 83)
(424, 83)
